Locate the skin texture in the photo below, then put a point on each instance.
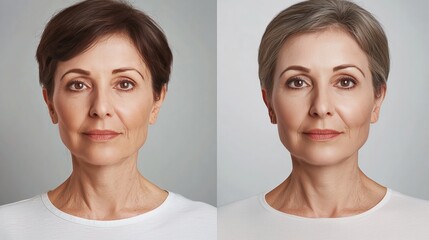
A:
(323, 81)
(105, 182)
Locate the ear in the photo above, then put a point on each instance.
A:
(267, 102)
(377, 104)
(157, 106)
(50, 105)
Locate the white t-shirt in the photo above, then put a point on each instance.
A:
(396, 217)
(176, 218)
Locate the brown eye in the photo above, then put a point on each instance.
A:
(346, 83)
(76, 86)
(125, 85)
(296, 83)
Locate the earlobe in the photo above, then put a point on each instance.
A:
(267, 102)
(50, 105)
(153, 115)
(157, 106)
(374, 115)
(377, 106)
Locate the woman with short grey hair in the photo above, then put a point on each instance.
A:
(323, 67)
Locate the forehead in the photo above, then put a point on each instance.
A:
(106, 53)
(322, 50)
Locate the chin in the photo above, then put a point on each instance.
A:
(101, 158)
(322, 156)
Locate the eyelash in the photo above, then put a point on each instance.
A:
(72, 85)
(293, 80)
(353, 81)
(133, 84)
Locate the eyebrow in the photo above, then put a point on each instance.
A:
(119, 70)
(76, 70)
(348, 66)
(307, 70)
(87, 73)
(295, 67)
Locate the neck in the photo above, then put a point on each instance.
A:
(326, 191)
(106, 192)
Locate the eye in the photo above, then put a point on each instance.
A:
(125, 85)
(346, 83)
(76, 86)
(297, 83)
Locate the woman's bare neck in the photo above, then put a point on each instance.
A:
(106, 192)
(326, 191)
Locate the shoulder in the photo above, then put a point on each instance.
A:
(242, 207)
(242, 219)
(408, 205)
(187, 206)
(21, 207)
(183, 209)
(401, 215)
(23, 213)
(196, 220)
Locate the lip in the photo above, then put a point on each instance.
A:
(322, 134)
(101, 135)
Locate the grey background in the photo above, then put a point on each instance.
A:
(180, 153)
(251, 158)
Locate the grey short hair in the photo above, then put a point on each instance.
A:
(317, 15)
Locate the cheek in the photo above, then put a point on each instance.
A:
(135, 115)
(356, 115)
(290, 112)
(71, 112)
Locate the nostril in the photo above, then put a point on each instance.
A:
(93, 114)
(100, 113)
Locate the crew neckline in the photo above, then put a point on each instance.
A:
(107, 223)
(379, 205)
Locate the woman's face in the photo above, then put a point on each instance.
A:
(103, 102)
(323, 98)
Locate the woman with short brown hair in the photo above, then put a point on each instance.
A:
(104, 67)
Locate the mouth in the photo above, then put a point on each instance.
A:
(321, 134)
(101, 135)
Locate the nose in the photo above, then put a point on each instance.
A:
(321, 105)
(101, 105)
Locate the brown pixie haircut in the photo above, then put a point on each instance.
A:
(318, 15)
(78, 27)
